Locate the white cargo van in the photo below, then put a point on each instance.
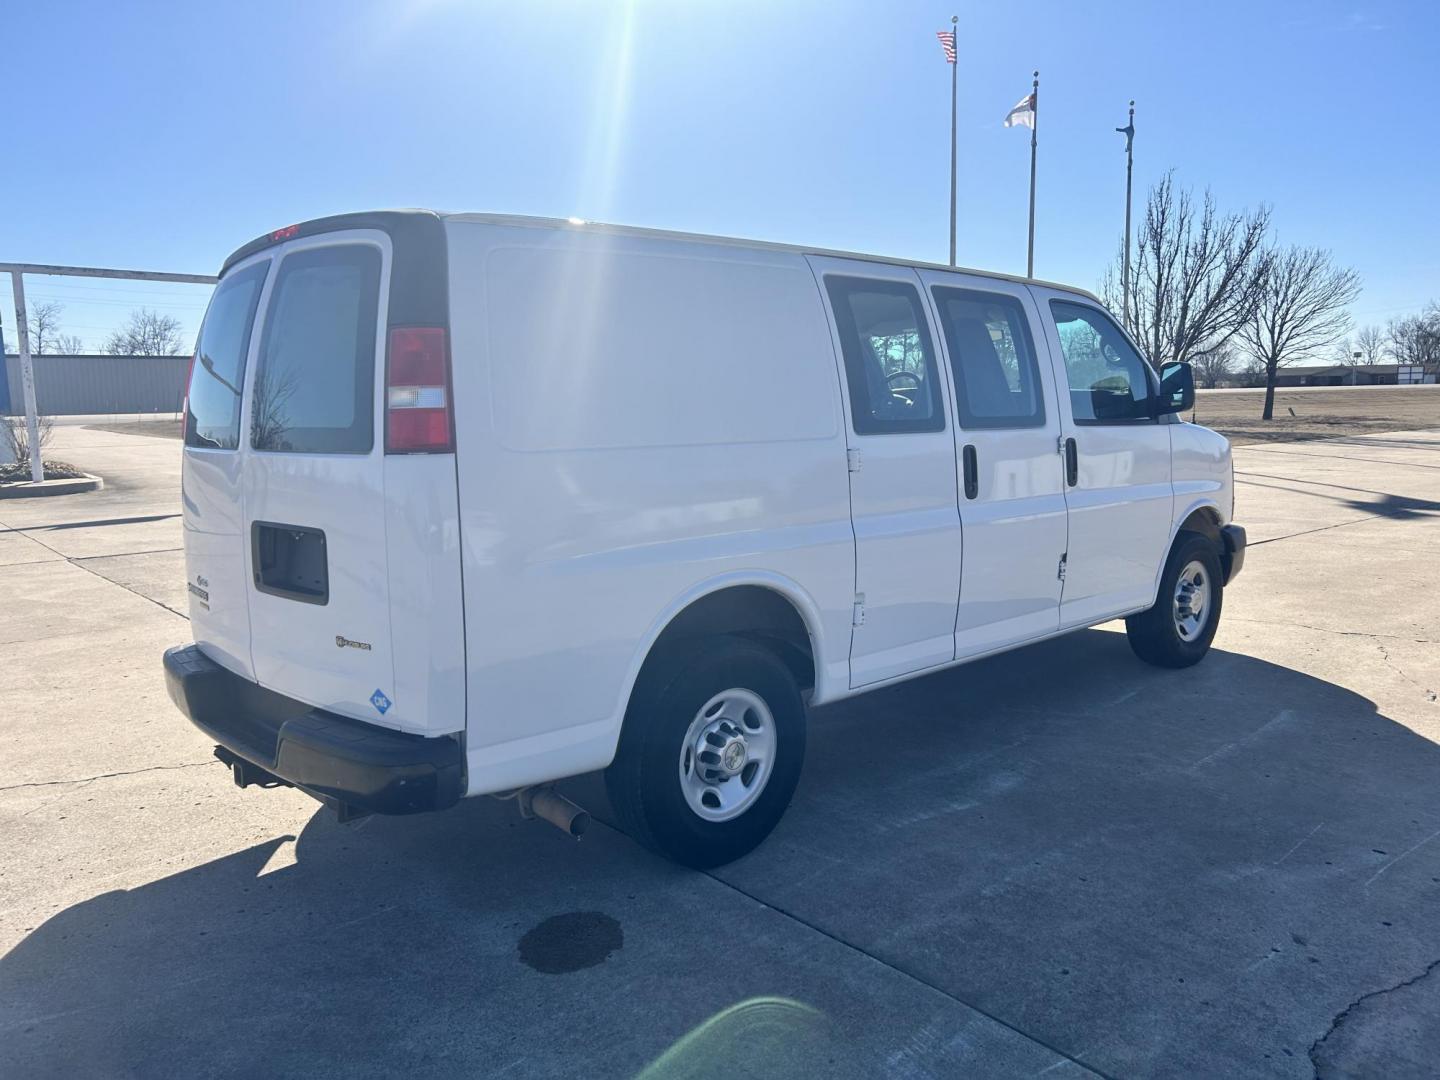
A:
(474, 503)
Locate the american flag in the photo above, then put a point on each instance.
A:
(947, 42)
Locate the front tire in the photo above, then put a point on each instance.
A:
(1177, 631)
(710, 753)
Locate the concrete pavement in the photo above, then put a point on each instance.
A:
(1058, 861)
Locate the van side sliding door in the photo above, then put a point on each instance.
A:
(902, 469)
(1007, 442)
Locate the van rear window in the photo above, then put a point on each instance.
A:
(212, 408)
(315, 387)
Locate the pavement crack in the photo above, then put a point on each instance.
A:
(1312, 532)
(843, 943)
(128, 554)
(79, 561)
(1430, 695)
(1332, 630)
(107, 776)
(785, 913)
(1344, 1014)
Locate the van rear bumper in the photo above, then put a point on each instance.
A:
(1232, 556)
(332, 757)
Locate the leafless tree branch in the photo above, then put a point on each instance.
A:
(1196, 275)
(148, 333)
(1302, 309)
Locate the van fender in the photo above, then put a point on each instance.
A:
(787, 587)
(1202, 503)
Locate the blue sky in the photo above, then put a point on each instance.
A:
(162, 136)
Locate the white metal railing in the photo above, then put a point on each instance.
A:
(17, 272)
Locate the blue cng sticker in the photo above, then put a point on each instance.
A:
(380, 701)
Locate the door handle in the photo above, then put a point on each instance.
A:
(972, 472)
(1072, 463)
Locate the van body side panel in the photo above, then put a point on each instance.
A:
(427, 639)
(1200, 460)
(636, 418)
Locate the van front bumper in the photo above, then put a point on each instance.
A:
(267, 737)
(1232, 552)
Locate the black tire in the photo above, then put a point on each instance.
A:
(1154, 634)
(643, 781)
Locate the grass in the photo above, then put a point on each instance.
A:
(1318, 414)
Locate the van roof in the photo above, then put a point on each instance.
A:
(373, 218)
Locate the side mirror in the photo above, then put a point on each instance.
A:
(1177, 389)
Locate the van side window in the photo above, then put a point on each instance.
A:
(212, 402)
(315, 386)
(889, 358)
(997, 378)
(1109, 382)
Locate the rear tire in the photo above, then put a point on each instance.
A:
(711, 751)
(1177, 631)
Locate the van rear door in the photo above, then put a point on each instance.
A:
(333, 522)
(212, 469)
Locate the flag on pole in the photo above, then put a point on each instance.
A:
(1023, 114)
(947, 42)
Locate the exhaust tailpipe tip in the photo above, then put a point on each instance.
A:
(548, 805)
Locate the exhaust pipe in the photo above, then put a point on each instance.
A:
(542, 801)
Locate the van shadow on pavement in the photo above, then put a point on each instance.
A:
(1156, 873)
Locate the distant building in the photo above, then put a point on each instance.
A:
(96, 383)
(1355, 375)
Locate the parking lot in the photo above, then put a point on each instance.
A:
(1057, 861)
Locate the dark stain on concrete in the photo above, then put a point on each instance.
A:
(571, 942)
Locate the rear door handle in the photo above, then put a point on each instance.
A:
(972, 472)
(1072, 463)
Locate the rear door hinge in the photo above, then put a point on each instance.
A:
(852, 460)
(1060, 572)
(857, 617)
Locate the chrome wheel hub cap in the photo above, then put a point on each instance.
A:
(727, 754)
(1192, 601)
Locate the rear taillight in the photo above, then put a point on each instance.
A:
(418, 414)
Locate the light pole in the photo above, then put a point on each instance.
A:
(1129, 132)
(954, 70)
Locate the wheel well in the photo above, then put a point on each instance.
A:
(752, 611)
(1206, 522)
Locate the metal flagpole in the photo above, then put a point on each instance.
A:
(954, 69)
(1129, 132)
(1034, 129)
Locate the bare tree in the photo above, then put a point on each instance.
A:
(1213, 366)
(1415, 339)
(1301, 310)
(42, 324)
(148, 333)
(1196, 275)
(1370, 344)
(1252, 374)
